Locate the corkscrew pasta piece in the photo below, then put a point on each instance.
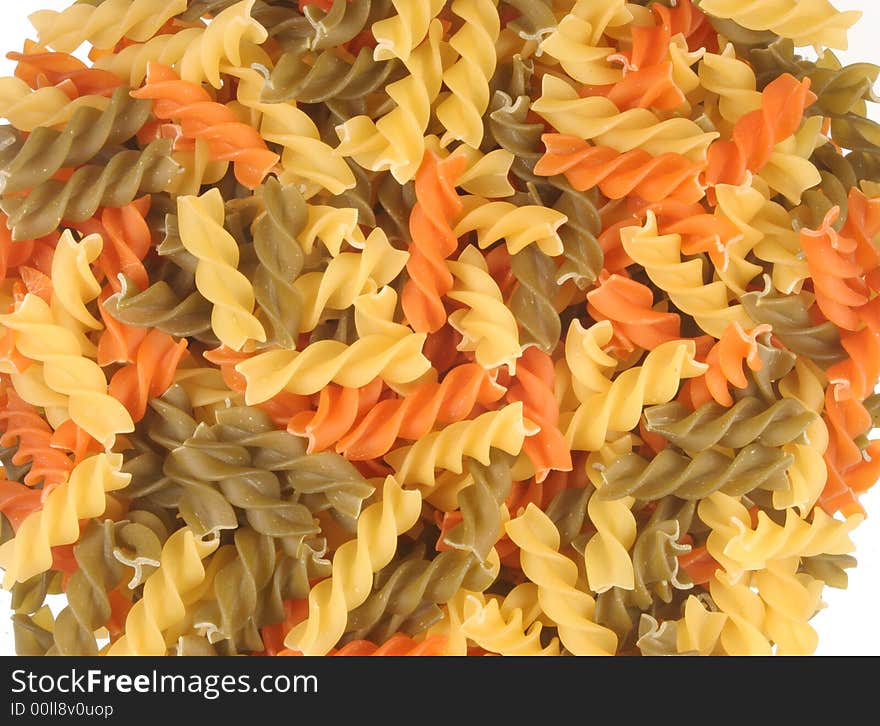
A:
(167, 592)
(556, 577)
(433, 240)
(396, 141)
(618, 175)
(80, 381)
(815, 22)
(82, 496)
(353, 566)
(660, 255)
(104, 25)
(217, 275)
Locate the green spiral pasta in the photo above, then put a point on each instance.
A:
(46, 150)
(670, 472)
(280, 261)
(101, 554)
(830, 569)
(321, 481)
(790, 319)
(160, 307)
(126, 175)
(218, 477)
(414, 584)
(328, 78)
(479, 503)
(748, 420)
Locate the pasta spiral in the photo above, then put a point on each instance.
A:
(82, 496)
(556, 578)
(815, 22)
(217, 275)
(355, 562)
(103, 25)
(167, 592)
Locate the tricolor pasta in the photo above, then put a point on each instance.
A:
(435, 328)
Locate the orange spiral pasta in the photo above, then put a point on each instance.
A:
(200, 117)
(17, 502)
(339, 410)
(617, 175)
(849, 383)
(127, 240)
(416, 414)
(648, 73)
(838, 279)
(782, 106)
(149, 374)
(430, 227)
(24, 427)
(533, 385)
(39, 67)
(629, 305)
(727, 359)
(15, 254)
(686, 19)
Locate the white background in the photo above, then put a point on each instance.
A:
(846, 626)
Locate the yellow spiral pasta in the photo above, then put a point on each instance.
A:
(40, 337)
(103, 25)
(556, 576)
(789, 170)
(461, 112)
(197, 169)
(197, 54)
(384, 349)
(398, 35)
(484, 175)
(806, 22)
(82, 496)
(606, 555)
(27, 108)
(200, 223)
(780, 246)
(518, 226)
(487, 325)
(743, 631)
(73, 281)
(586, 363)
(738, 205)
(167, 594)
(504, 633)
(660, 255)
(738, 546)
(732, 81)
(576, 41)
(347, 276)
(397, 140)
(354, 563)
(504, 429)
(597, 118)
(753, 548)
(791, 599)
(332, 227)
(699, 629)
(619, 406)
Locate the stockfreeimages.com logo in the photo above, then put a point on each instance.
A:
(209, 686)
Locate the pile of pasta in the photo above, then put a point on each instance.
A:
(406, 327)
